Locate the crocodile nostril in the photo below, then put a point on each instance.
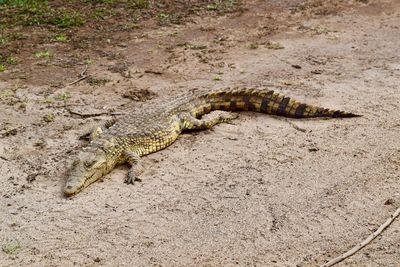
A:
(69, 187)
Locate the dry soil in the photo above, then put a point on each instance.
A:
(263, 191)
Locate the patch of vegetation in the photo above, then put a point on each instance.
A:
(273, 45)
(38, 12)
(100, 1)
(102, 13)
(225, 6)
(141, 4)
(321, 30)
(167, 19)
(9, 37)
(62, 96)
(88, 61)
(67, 19)
(43, 54)
(61, 38)
(173, 34)
(133, 25)
(253, 46)
(11, 248)
(53, 17)
(6, 93)
(138, 4)
(26, 12)
(3, 40)
(12, 61)
(74, 13)
(2, 68)
(49, 117)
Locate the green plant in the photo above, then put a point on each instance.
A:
(43, 54)
(225, 6)
(3, 39)
(12, 61)
(272, 45)
(140, 3)
(88, 61)
(100, 1)
(67, 19)
(61, 38)
(162, 17)
(29, 12)
(253, 46)
(49, 117)
(63, 96)
(2, 68)
(6, 93)
(102, 13)
(11, 248)
(212, 7)
(166, 19)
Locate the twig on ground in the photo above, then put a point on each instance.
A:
(156, 72)
(83, 76)
(95, 114)
(4, 158)
(296, 127)
(363, 243)
(78, 80)
(84, 71)
(118, 113)
(65, 105)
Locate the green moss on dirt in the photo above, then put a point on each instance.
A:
(79, 25)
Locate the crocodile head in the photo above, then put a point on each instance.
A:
(86, 169)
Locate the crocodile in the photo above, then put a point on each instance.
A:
(156, 126)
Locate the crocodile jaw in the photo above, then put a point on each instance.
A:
(75, 183)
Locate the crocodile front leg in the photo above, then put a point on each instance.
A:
(96, 131)
(136, 167)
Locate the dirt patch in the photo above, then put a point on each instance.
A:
(263, 191)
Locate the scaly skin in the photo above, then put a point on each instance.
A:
(157, 126)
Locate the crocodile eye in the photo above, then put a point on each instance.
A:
(89, 164)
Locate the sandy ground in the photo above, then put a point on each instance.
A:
(263, 191)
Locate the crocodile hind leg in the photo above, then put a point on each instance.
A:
(208, 120)
(136, 167)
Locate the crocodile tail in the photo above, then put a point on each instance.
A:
(269, 102)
